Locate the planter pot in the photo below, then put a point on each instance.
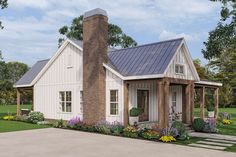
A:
(132, 120)
(211, 114)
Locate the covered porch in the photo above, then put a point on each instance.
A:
(163, 100)
(20, 91)
(159, 93)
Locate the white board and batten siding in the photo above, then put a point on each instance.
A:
(181, 59)
(64, 74)
(153, 96)
(113, 82)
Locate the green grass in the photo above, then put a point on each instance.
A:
(8, 126)
(11, 109)
(224, 129)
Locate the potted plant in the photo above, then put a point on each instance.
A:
(133, 115)
(210, 109)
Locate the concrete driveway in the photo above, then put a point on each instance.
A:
(65, 143)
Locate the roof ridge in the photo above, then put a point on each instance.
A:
(148, 44)
(43, 60)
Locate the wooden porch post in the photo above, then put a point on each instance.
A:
(202, 103)
(32, 98)
(192, 101)
(188, 104)
(163, 88)
(160, 100)
(216, 101)
(18, 102)
(126, 104)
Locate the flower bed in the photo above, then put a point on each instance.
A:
(171, 134)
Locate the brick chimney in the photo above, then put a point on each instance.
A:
(95, 34)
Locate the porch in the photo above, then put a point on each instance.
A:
(162, 100)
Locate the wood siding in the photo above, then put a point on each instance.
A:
(181, 59)
(113, 82)
(64, 74)
(152, 87)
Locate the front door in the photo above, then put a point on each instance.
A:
(143, 104)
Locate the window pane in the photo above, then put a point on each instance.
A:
(181, 69)
(62, 106)
(174, 96)
(113, 95)
(62, 96)
(68, 107)
(81, 96)
(114, 108)
(68, 96)
(176, 69)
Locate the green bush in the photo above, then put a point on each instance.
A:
(210, 108)
(103, 127)
(130, 131)
(150, 134)
(35, 117)
(59, 124)
(134, 112)
(117, 128)
(183, 133)
(198, 124)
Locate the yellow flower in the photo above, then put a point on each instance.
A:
(227, 122)
(8, 117)
(167, 138)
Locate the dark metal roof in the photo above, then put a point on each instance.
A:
(145, 59)
(29, 76)
(140, 60)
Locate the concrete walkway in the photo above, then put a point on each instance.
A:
(214, 136)
(66, 143)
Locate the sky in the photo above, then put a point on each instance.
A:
(31, 26)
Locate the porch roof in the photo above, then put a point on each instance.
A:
(207, 83)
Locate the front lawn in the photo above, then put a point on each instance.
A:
(8, 126)
(224, 129)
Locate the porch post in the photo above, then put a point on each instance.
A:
(166, 107)
(126, 104)
(188, 103)
(160, 100)
(216, 101)
(192, 101)
(202, 103)
(18, 101)
(32, 98)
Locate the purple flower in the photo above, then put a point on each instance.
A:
(74, 121)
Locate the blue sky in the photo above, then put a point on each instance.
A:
(31, 26)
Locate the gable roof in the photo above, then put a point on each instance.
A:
(145, 61)
(29, 76)
(150, 59)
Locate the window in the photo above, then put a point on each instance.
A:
(81, 101)
(65, 101)
(174, 99)
(114, 102)
(179, 69)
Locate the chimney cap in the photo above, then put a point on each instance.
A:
(96, 11)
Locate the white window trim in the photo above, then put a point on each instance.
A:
(184, 69)
(118, 104)
(149, 100)
(65, 101)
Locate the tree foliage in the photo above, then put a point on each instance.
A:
(116, 37)
(3, 4)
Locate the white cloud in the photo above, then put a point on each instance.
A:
(35, 36)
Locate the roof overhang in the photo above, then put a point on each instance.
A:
(209, 83)
(138, 77)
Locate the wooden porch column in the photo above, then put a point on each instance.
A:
(192, 101)
(216, 101)
(202, 103)
(187, 104)
(18, 102)
(126, 104)
(163, 103)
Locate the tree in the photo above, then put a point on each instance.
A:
(116, 37)
(3, 4)
(16, 70)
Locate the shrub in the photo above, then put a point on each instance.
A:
(22, 118)
(210, 108)
(117, 128)
(76, 123)
(198, 124)
(169, 131)
(134, 112)
(59, 124)
(183, 133)
(210, 126)
(130, 131)
(150, 134)
(103, 127)
(35, 117)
